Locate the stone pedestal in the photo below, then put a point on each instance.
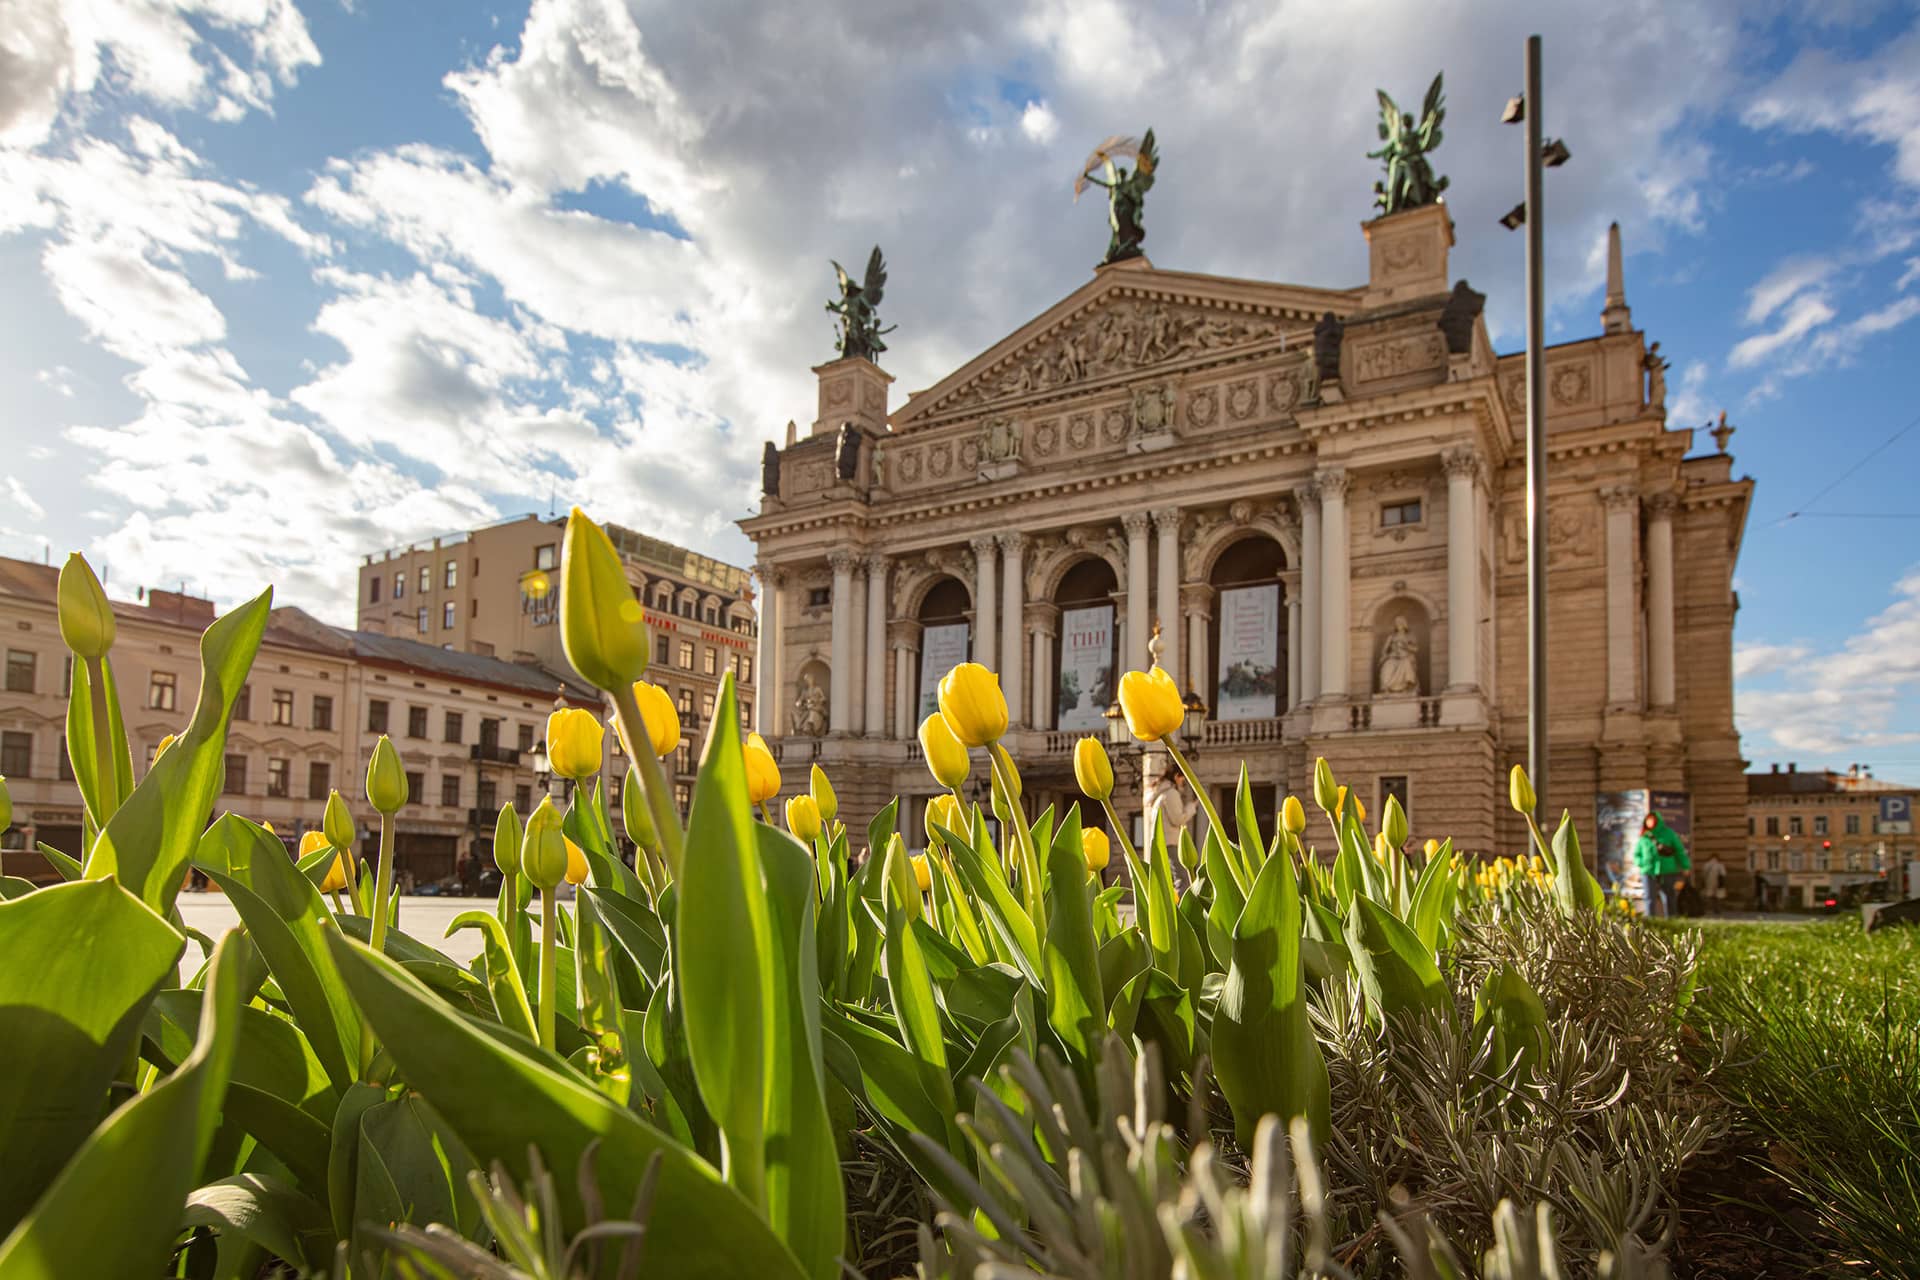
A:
(1407, 255)
(851, 390)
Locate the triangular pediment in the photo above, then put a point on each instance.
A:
(1130, 317)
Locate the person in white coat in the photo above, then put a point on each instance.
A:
(1171, 800)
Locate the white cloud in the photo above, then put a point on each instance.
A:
(24, 500)
(1750, 660)
(1875, 98)
(1804, 314)
(1689, 403)
(1039, 123)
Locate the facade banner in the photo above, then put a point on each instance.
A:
(1086, 669)
(942, 649)
(1249, 687)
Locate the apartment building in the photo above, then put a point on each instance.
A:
(1815, 834)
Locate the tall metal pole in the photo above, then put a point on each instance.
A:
(1536, 442)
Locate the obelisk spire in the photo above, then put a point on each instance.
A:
(1615, 317)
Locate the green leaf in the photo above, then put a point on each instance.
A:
(1508, 1008)
(149, 839)
(724, 953)
(78, 965)
(510, 1002)
(1573, 885)
(1004, 916)
(68, 868)
(1076, 1003)
(1264, 1050)
(267, 1212)
(1396, 971)
(343, 1157)
(1229, 896)
(82, 748)
(1252, 848)
(500, 1097)
(635, 926)
(409, 1169)
(115, 1207)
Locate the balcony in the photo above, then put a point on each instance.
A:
(494, 753)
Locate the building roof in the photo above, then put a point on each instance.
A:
(1792, 782)
(412, 655)
(630, 543)
(41, 583)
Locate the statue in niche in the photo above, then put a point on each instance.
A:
(1000, 441)
(810, 709)
(1405, 144)
(1656, 366)
(1126, 191)
(858, 308)
(1399, 660)
(770, 471)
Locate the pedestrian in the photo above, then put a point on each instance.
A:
(1713, 884)
(1169, 800)
(1661, 859)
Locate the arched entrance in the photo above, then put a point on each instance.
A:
(945, 616)
(1247, 637)
(1086, 649)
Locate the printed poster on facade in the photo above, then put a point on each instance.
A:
(1618, 816)
(941, 650)
(1249, 686)
(1086, 669)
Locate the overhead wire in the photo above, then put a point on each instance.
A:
(1802, 512)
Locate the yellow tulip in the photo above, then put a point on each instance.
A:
(1325, 793)
(336, 878)
(803, 818)
(576, 863)
(602, 627)
(922, 873)
(1092, 768)
(1096, 848)
(763, 773)
(574, 741)
(161, 750)
(662, 717)
(1431, 847)
(946, 757)
(84, 613)
(944, 811)
(1380, 846)
(1151, 703)
(973, 705)
(268, 828)
(1340, 804)
(820, 787)
(311, 842)
(1520, 791)
(1537, 865)
(1293, 815)
(543, 846)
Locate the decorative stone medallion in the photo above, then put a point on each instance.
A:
(1571, 384)
(1113, 426)
(1242, 399)
(1283, 391)
(1080, 430)
(1046, 437)
(1204, 408)
(940, 459)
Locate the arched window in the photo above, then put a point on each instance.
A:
(1247, 638)
(945, 638)
(1086, 650)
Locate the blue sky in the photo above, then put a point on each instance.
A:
(292, 280)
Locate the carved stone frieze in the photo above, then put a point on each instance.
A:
(1571, 384)
(1392, 357)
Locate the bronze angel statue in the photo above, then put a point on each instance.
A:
(1406, 144)
(858, 308)
(1126, 191)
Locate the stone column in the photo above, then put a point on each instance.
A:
(857, 648)
(1622, 502)
(1462, 465)
(1660, 507)
(1308, 498)
(906, 669)
(876, 718)
(1139, 610)
(1166, 595)
(1292, 588)
(1334, 536)
(840, 701)
(985, 632)
(766, 690)
(1013, 654)
(1043, 625)
(1196, 602)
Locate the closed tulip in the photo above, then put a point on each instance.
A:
(336, 820)
(1520, 791)
(1093, 768)
(602, 627)
(661, 716)
(386, 778)
(1097, 849)
(336, 878)
(803, 818)
(763, 772)
(1293, 815)
(944, 811)
(543, 846)
(1393, 823)
(6, 805)
(506, 841)
(634, 813)
(85, 614)
(973, 705)
(946, 757)
(576, 863)
(1325, 793)
(1151, 703)
(922, 873)
(821, 789)
(165, 742)
(574, 742)
(311, 842)
(1431, 847)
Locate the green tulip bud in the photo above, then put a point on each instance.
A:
(634, 813)
(1520, 791)
(543, 847)
(386, 778)
(6, 805)
(1326, 793)
(86, 616)
(602, 627)
(822, 792)
(336, 823)
(902, 879)
(1393, 823)
(506, 841)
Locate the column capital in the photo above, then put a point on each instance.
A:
(1043, 617)
(877, 562)
(982, 544)
(842, 561)
(1135, 523)
(770, 575)
(1013, 542)
(1620, 497)
(1306, 495)
(905, 634)
(1167, 520)
(1332, 482)
(1461, 460)
(1196, 598)
(1661, 506)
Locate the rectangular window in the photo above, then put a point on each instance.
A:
(819, 597)
(683, 758)
(399, 586)
(426, 578)
(1853, 824)
(746, 671)
(323, 711)
(416, 722)
(277, 771)
(235, 783)
(706, 706)
(712, 661)
(420, 620)
(1793, 825)
(447, 616)
(683, 796)
(746, 715)
(661, 649)
(373, 589)
(319, 780)
(523, 798)
(16, 754)
(243, 705)
(450, 790)
(1819, 824)
(546, 556)
(686, 654)
(20, 664)
(1399, 513)
(1749, 826)
(283, 706)
(163, 692)
(456, 726)
(686, 702)
(451, 577)
(526, 737)
(1773, 825)
(416, 783)
(1395, 785)
(63, 762)
(377, 715)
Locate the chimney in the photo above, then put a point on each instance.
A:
(1776, 766)
(1792, 767)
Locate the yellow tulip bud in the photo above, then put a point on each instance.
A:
(946, 757)
(1096, 848)
(602, 627)
(543, 846)
(574, 742)
(336, 820)
(1536, 864)
(1092, 768)
(1293, 815)
(903, 878)
(86, 615)
(803, 818)
(336, 878)
(661, 716)
(1151, 703)
(1394, 822)
(506, 840)
(1431, 847)
(634, 814)
(1520, 791)
(763, 772)
(166, 742)
(311, 842)
(268, 828)
(922, 873)
(944, 811)
(576, 862)
(1325, 793)
(821, 789)
(1380, 846)
(973, 705)
(386, 778)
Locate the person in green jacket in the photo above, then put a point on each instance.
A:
(1661, 859)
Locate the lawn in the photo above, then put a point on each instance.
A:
(1825, 1073)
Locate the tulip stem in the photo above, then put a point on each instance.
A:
(1136, 869)
(653, 783)
(353, 883)
(383, 884)
(106, 783)
(548, 926)
(766, 813)
(339, 906)
(1199, 791)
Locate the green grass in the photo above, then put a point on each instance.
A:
(1828, 1070)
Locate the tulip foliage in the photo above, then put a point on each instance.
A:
(701, 1028)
